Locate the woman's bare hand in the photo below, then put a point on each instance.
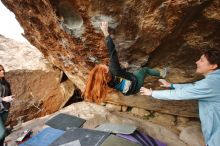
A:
(104, 28)
(8, 98)
(145, 91)
(164, 83)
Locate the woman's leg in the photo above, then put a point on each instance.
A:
(2, 131)
(142, 73)
(3, 118)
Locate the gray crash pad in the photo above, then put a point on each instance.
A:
(65, 122)
(86, 137)
(117, 128)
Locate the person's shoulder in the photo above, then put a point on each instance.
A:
(6, 83)
(214, 76)
(212, 81)
(206, 82)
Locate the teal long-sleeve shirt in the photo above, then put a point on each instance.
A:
(207, 92)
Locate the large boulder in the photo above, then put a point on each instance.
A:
(95, 115)
(39, 87)
(168, 33)
(192, 135)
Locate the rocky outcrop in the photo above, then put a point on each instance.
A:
(168, 33)
(37, 93)
(21, 56)
(96, 115)
(189, 134)
(39, 88)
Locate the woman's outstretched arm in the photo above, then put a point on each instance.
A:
(114, 65)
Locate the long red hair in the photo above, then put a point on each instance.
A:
(97, 84)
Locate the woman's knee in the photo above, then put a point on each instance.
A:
(147, 68)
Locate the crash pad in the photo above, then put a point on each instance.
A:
(44, 138)
(87, 137)
(65, 122)
(117, 128)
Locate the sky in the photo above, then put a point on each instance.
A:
(9, 26)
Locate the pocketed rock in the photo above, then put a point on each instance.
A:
(171, 33)
(192, 136)
(163, 119)
(34, 81)
(91, 112)
(140, 112)
(124, 108)
(182, 120)
(112, 107)
(182, 126)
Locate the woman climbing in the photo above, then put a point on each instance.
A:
(102, 77)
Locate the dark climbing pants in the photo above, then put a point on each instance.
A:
(142, 74)
(3, 118)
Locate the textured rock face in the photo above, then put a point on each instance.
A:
(183, 48)
(172, 32)
(189, 135)
(95, 115)
(37, 93)
(20, 56)
(38, 87)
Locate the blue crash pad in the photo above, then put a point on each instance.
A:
(44, 138)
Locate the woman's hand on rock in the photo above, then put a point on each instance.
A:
(145, 91)
(104, 28)
(164, 83)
